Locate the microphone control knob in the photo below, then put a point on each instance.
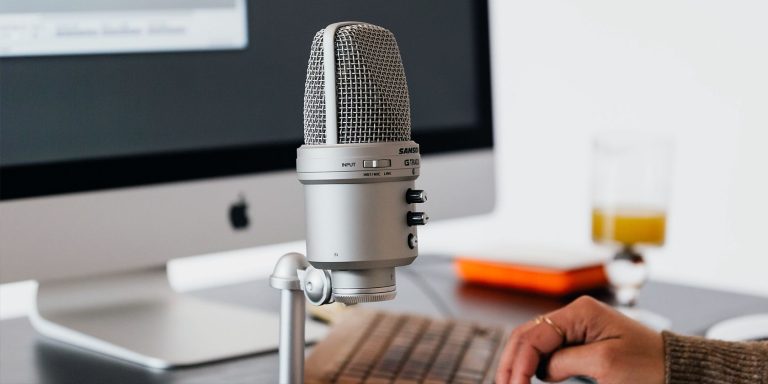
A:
(417, 218)
(413, 196)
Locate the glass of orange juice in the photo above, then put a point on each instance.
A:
(630, 193)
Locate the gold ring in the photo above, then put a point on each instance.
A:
(548, 321)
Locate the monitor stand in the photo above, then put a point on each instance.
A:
(136, 316)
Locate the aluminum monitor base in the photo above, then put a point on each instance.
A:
(138, 317)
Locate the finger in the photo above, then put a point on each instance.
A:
(528, 345)
(504, 370)
(530, 340)
(525, 364)
(533, 345)
(583, 320)
(582, 360)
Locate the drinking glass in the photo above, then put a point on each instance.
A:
(630, 193)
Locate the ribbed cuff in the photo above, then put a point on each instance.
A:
(695, 360)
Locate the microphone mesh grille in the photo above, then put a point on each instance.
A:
(371, 90)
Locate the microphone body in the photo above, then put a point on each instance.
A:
(358, 164)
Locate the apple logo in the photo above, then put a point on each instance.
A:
(238, 214)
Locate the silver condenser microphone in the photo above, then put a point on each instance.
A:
(358, 165)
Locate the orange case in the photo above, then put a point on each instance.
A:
(533, 279)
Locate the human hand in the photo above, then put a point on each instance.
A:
(597, 342)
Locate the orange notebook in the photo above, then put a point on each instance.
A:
(549, 280)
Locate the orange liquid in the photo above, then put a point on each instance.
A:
(629, 227)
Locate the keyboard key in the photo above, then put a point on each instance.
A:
(372, 347)
(477, 357)
(448, 358)
(423, 353)
(399, 349)
(330, 356)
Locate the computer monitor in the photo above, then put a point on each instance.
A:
(136, 132)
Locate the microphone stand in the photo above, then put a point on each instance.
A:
(296, 278)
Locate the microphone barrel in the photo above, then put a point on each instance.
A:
(356, 204)
(359, 226)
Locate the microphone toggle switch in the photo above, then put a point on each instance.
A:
(417, 218)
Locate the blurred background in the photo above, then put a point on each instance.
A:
(693, 69)
(564, 70)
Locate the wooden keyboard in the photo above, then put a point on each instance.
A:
(381, 347)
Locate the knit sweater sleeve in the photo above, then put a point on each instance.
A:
(695, 360)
